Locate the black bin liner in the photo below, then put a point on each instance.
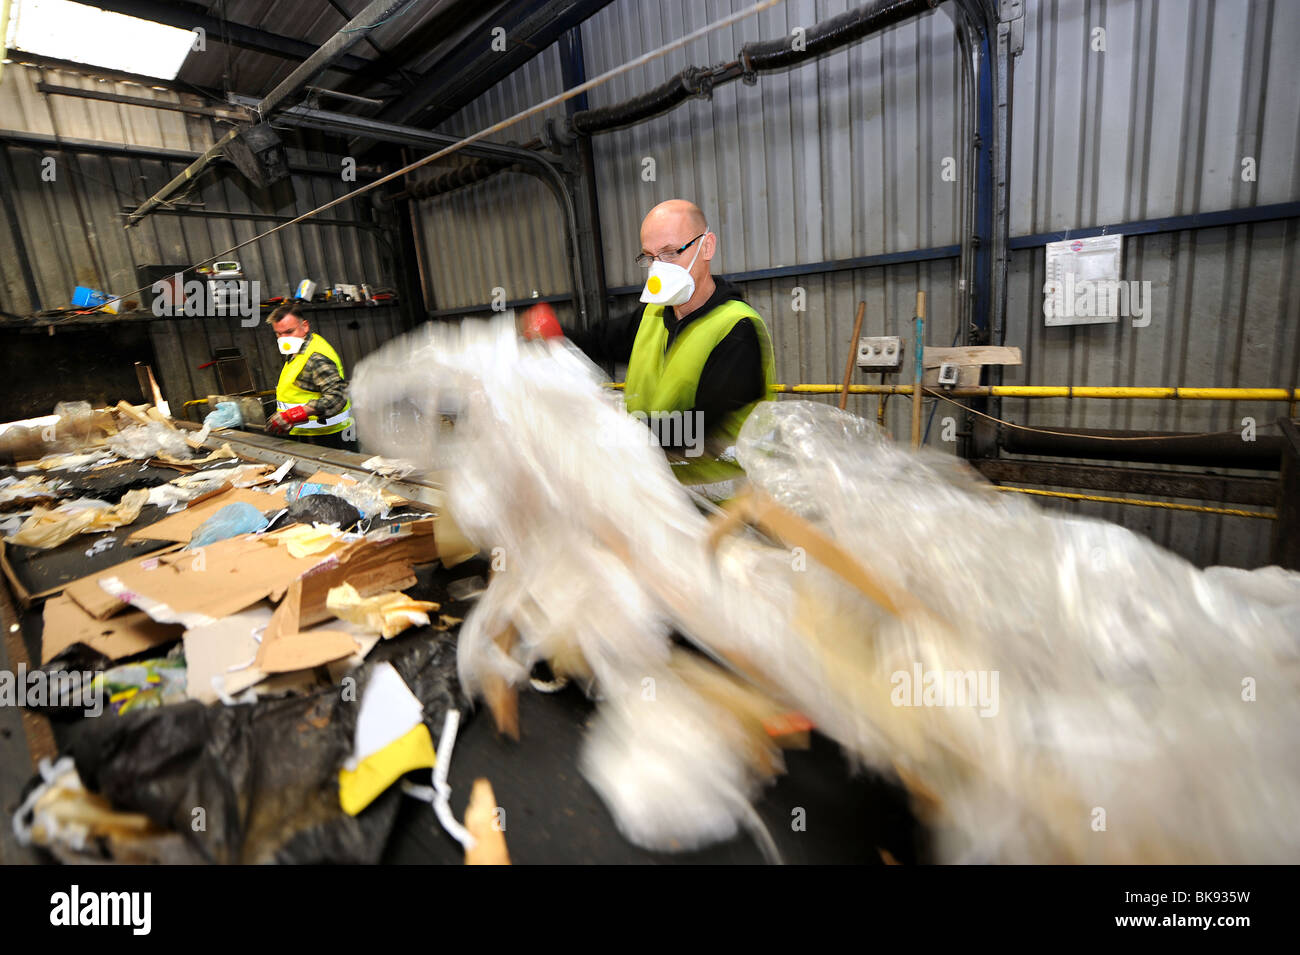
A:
(265, 775)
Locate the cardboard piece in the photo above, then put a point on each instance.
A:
(21, 593)
(325, 477)
(182, 525)
(92, 598)
(299, 651)
(126, 634)
(481, 821)
(194, 587)
(224, 651)
(371, 566)
(338, 669)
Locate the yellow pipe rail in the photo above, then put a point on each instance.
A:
(204, 401)
(1061, 391)
(1165, 505)
(1054, 391)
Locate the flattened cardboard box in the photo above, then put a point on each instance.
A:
(371, 566)
(66, 623)
(210, 582)
(182, 525)
(94, 600)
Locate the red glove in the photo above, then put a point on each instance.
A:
(282, 421)
(539, 321)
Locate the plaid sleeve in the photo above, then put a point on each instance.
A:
(320, 375)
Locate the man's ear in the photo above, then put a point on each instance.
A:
(710, 246)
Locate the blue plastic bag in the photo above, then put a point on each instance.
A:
(226, 415)
(233, 519)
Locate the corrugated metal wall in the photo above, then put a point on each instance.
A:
(72, 226)
(507, 232)
(841, 158)
(1158, 124)
(834, 159)
(183, 345)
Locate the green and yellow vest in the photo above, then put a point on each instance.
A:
(663, 380)
(288, 394)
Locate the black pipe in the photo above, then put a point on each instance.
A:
(689, 82)
(476, 170)
(1204, 450)
(765, 55)
(759, 57)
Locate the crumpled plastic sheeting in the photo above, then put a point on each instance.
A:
(1119, 665)
(50, 528)
(155, 439)
(600, 553)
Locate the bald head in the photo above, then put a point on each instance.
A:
(676, 212)
(671, 225)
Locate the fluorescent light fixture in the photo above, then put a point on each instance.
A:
(85, 34)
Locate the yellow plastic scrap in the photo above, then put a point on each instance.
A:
(303, 541)
(358, 788)
(387, 613)
(50, 528)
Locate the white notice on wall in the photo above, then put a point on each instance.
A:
(1082, 284)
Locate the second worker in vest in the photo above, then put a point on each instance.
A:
(311, 396)
(699, 359)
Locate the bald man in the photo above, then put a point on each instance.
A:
(699, 359)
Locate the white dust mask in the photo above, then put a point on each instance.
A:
(669, 284)
(289, 345)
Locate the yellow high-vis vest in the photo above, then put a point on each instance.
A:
(661, 381)
(289, 395)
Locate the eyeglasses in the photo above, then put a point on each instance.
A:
(645, 258)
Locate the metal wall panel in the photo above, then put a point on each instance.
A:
(71, 227)
(507, 232)
(25, 109)
(1158, 123)
(833, 159)
(74, 236)
(181, 345)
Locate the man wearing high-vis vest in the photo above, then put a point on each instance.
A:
(311, 396)
(699, 359)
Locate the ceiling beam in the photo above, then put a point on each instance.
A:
(455, 80)
(374, 13)
(187, 16)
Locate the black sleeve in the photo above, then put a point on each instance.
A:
(732, 377)
(610, 341)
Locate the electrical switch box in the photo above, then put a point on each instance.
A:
(883, 353)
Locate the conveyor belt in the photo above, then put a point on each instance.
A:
(308, 458)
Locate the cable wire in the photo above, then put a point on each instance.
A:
(1091, 437)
